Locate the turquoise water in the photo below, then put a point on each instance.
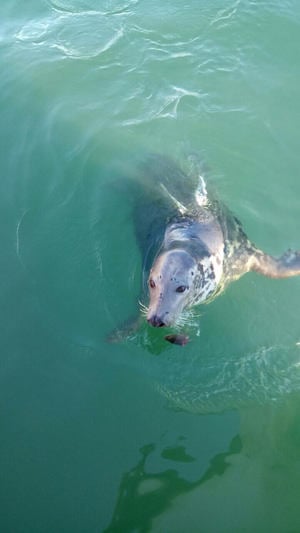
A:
(143, 435)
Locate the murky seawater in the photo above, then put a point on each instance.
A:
(143, 435)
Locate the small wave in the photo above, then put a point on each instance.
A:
(163, 105)
(108, 7)
(226, 15)
(76, 35)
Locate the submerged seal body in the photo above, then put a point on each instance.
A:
(203, 249)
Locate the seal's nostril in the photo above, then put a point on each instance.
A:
(156, 321)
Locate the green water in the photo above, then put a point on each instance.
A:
(142, 435)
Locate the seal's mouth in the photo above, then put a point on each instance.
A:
(174, 338)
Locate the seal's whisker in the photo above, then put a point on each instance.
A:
(181, 322)
(187, 318)
(195, 315)
(144, 308)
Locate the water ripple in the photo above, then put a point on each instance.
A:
(226, 14)
(76, 35)
(267, 376)
(165, 105)
(109, 7)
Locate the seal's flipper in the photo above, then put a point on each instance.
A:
(284, 267)
(125, 330)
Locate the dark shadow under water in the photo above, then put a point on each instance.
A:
(143, 496)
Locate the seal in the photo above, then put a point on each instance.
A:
(192, 247)
(203, 249)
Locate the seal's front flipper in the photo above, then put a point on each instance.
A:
(284, 267)
(125, 331)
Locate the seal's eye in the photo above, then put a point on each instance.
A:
(181, 288)
(152, 283)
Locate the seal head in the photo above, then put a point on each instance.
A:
(170, 282)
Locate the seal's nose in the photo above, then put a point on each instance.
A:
(156, 321)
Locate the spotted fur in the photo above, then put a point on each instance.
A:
(191, 256)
